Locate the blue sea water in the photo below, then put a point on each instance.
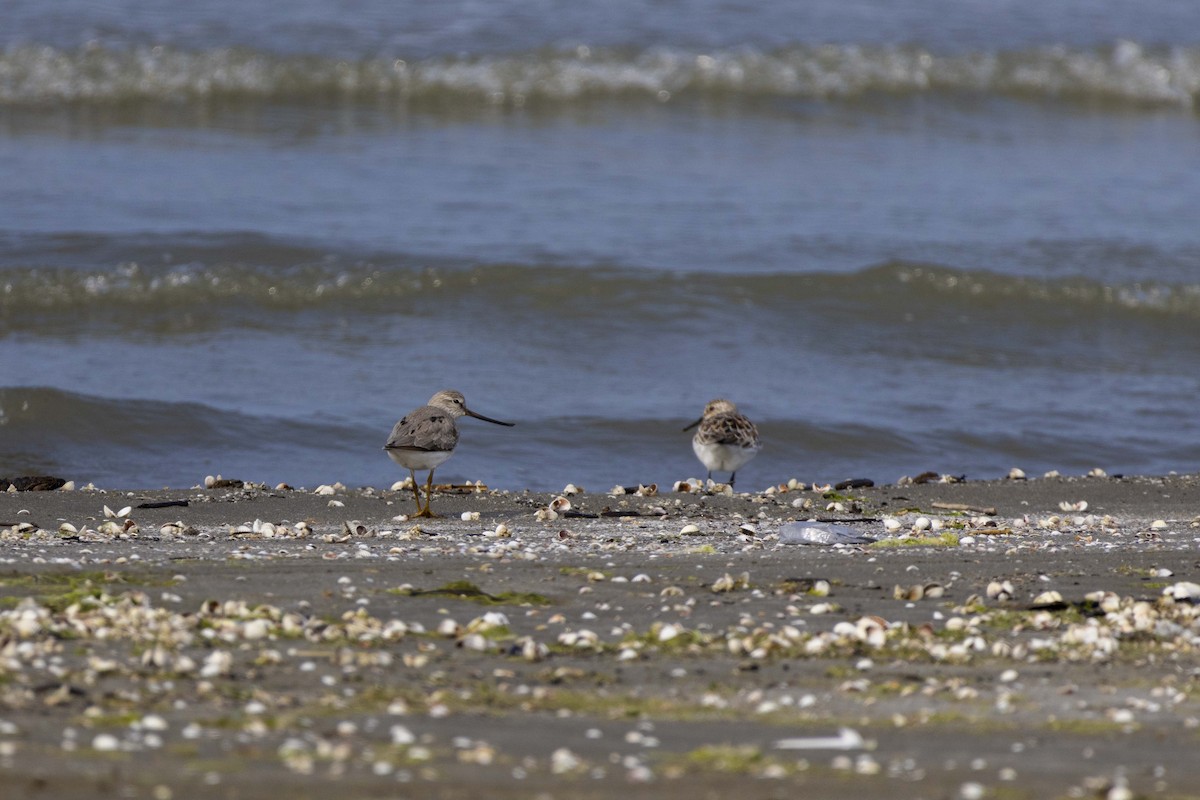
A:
(952, 236)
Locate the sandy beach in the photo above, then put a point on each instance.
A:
(1016, 638)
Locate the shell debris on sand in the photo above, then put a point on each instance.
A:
(270, 630)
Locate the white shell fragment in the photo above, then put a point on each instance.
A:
(1184, 590)
(1000, 590)
(1050, 598)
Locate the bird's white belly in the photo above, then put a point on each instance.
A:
(723, 457)
(419, 459)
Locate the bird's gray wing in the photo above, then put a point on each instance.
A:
(423, 431)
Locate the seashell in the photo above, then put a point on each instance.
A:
(571, 489)
(490, 620)
(255, 629)
(689, 530)
(324, 489)
(891, 524)
(922, 524)
(469, 516)
(474, 641)
(209, 481)
(217, 663)
(1000, 590)
(69, 486)
(532, 650)
(748, 529)
(448, 628)
(1096, 472)
(1016, 474)
(724, 584)
(67, 529)
(1079, 506)
(617, 490)
(845, 630)
(560, 504)
(1184, 590)
(336, 504)
(668, 632)
(934, 590)
(583, 638)
(1158, 525)
(106, 742)
(647, 491)
(1050, 598)
(545, 515)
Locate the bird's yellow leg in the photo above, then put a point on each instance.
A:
(426, 512)
(416, 490)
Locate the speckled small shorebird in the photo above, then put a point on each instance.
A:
(426, 437)
(726, 440)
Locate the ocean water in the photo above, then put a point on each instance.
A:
(956, 236)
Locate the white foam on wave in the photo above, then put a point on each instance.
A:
(1124, 73)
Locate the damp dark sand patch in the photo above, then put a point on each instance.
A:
(227, 657)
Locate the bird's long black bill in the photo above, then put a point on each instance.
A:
(488, 419)
(694, 424)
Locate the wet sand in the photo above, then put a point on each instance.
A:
(668, 646)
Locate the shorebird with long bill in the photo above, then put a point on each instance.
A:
(426, 437)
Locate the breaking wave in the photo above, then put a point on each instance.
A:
(1125, 73)
(295, 279)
